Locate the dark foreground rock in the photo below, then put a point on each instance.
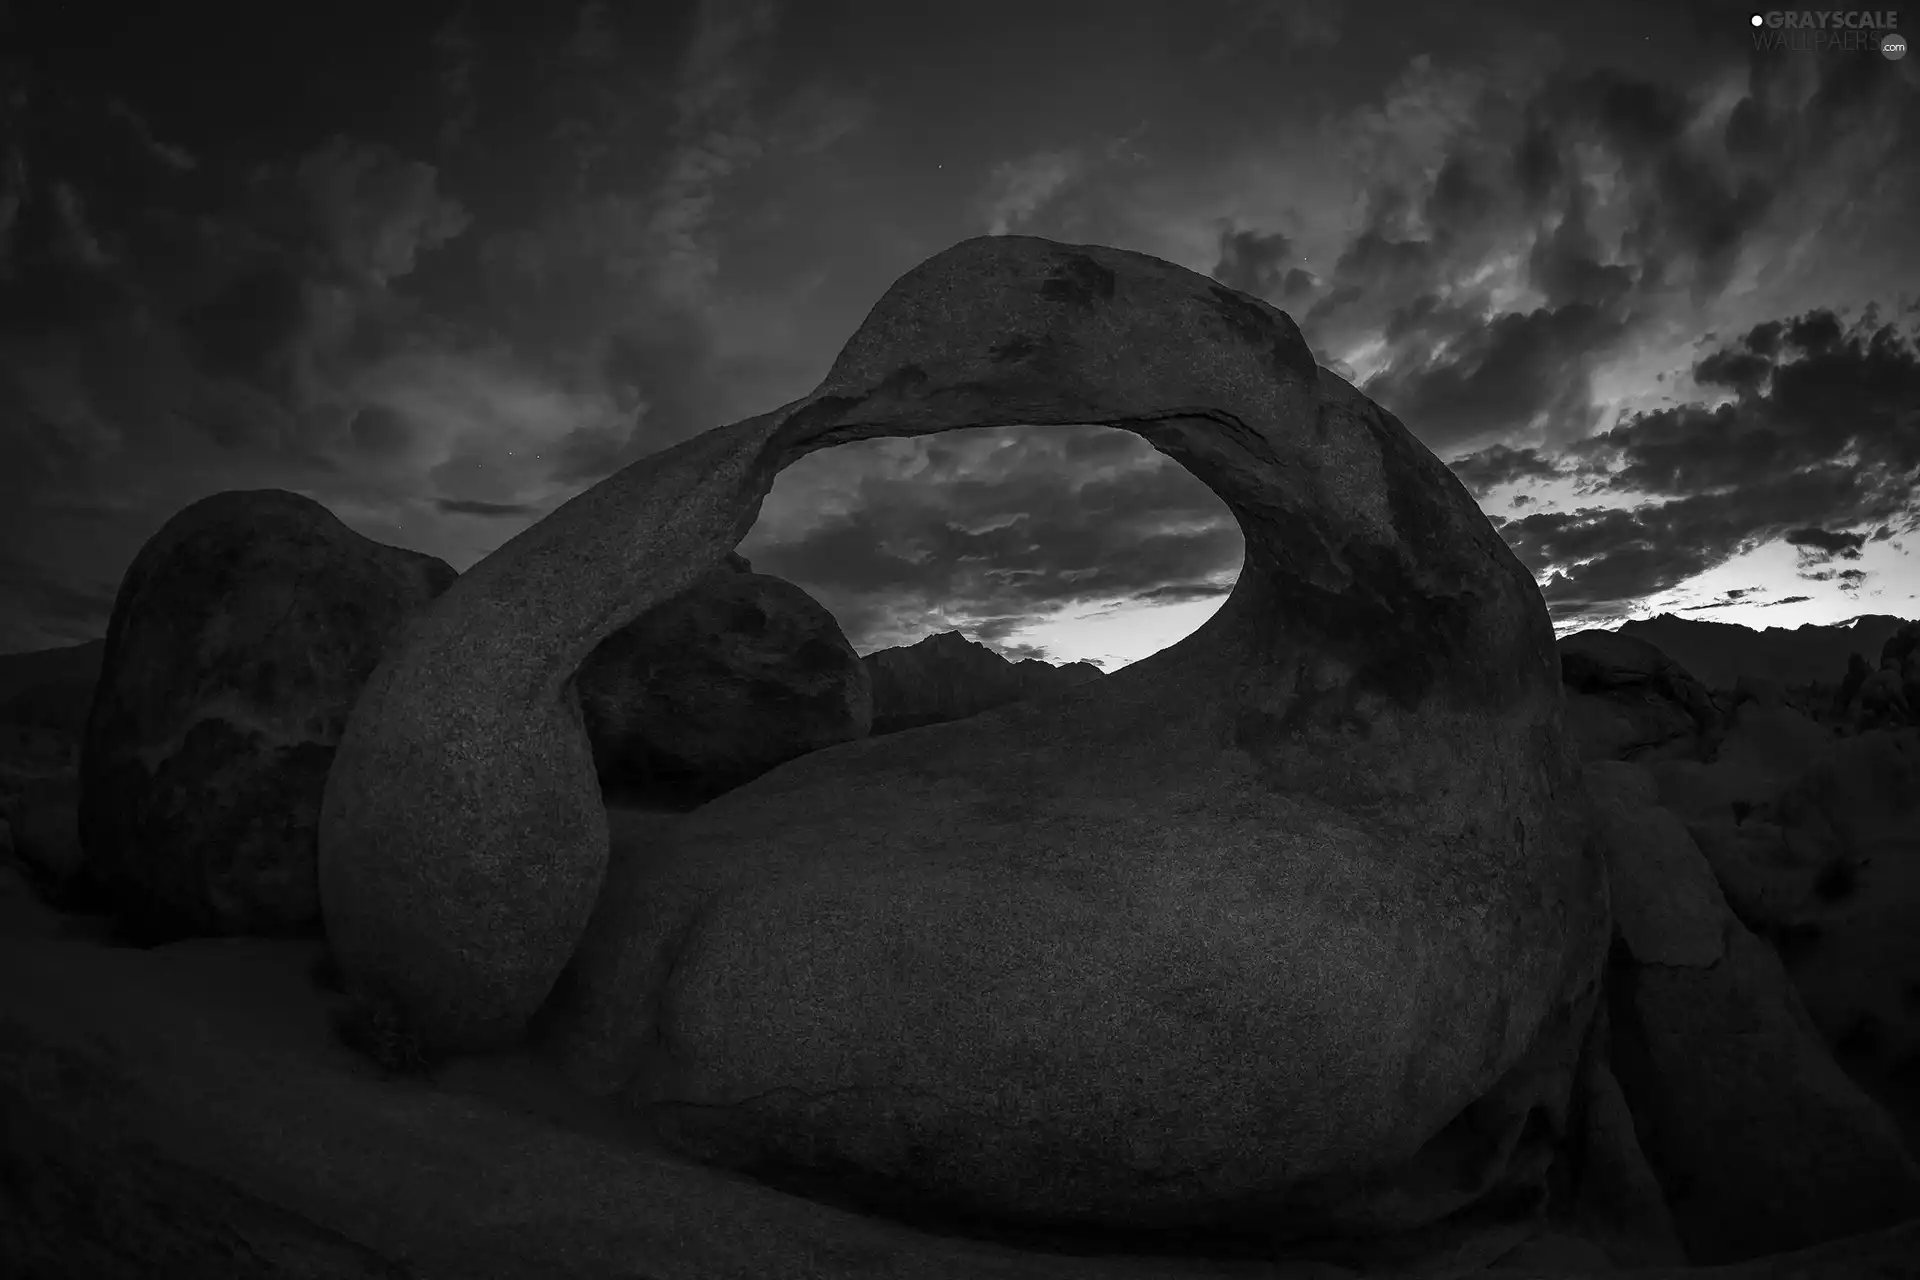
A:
(43, 814)
(1901, 656)
(44, 699)
(239, 639)
(182, 1112)
(741, 673)
(1816, 843)
(1759, 1139)
(949, 677)
(1626, 700)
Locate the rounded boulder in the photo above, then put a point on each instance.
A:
(239, 640)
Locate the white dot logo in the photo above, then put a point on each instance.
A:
(1894, 46)
(1758, 20)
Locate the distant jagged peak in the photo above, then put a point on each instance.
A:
(954, 642)
(950, 640)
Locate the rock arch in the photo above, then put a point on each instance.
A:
(1381, 691)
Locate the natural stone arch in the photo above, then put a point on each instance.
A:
(1383, 656)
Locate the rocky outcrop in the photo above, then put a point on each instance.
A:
(1760, 1141)
(239, 639)
(949, 677)
(44, 700)
(1626, 700)
(44, 815)
(1292, 924)
(711, 689)
(71, 666)
(1719, 653)
(1901, 655)
(50, 689)
(180, 1111)
(1849, 690)
(1814, 840)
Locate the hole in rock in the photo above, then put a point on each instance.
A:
(963, 570)
(1056, 544)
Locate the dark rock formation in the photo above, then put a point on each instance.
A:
(1718, 653)
(44, 814)
(240, 638)
(50, 689)
(1882, 700)
(1901, 647)
(1849, 690)
(716, 686)
(1292, 924)
(71, 666)
(1626, 700)
(949, 677)
(179, 1112)
(44, 699)
(1039, 678)
(1761, 1142)
(1813, 840)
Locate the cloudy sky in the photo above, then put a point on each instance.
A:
(1652, 291)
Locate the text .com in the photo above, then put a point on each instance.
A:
(1831, 31)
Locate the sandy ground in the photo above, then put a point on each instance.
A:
(268, 984)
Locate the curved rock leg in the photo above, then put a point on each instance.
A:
(1222, 936)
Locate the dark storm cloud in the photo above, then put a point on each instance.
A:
(469, 507)
(1695, 213)
(1821, 452)
(1827, 543)
(1262, 263)
(169, 328)
(219, 284)
(1742, 371)
(458, 272)
(380, 431)
(1275, 27)
(1182, 593)
(251, 328)
(670, 363)
(1378, 264)
(1496, 465)
(1461, 198)
(1507, 372)
(1006, 526)
(1728, 599)
(1461, 368)
(1824, 393)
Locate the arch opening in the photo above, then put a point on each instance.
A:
(1383, 667)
